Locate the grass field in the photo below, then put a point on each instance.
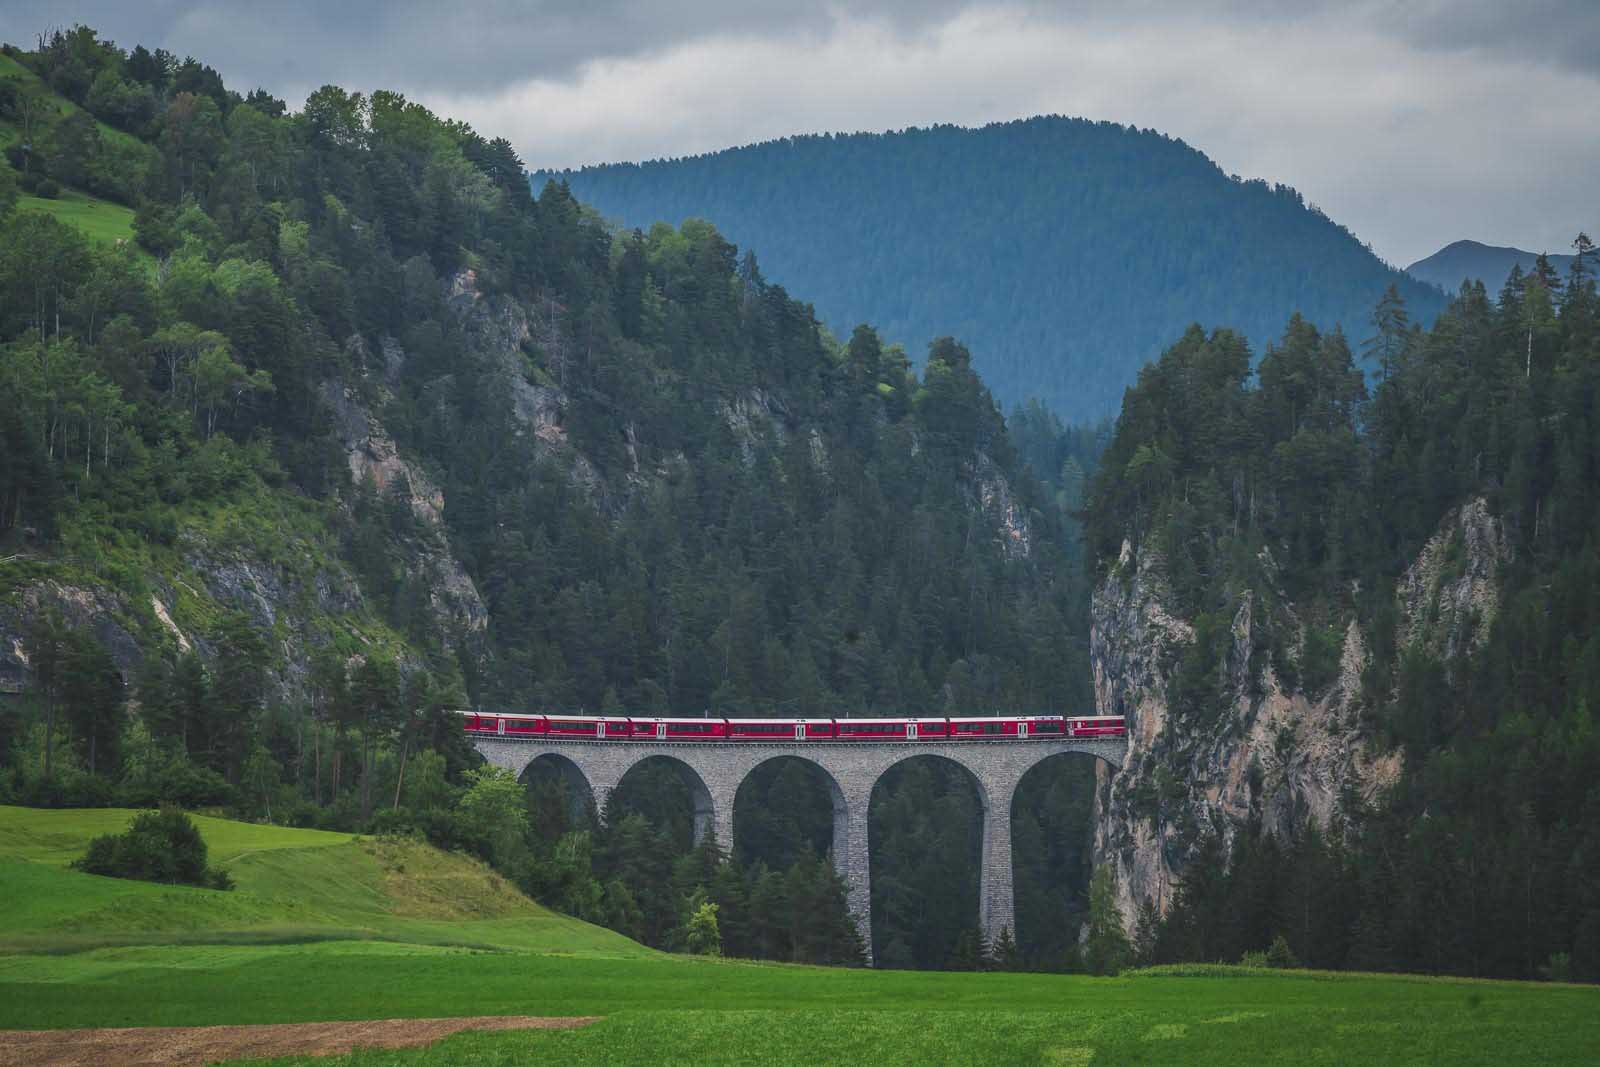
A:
(326, 926)
(293, 886)
(100, 220)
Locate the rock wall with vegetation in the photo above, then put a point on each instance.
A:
(1355, 635)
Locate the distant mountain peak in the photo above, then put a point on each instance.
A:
(1466, 260)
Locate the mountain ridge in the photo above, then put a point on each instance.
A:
(1065, 252)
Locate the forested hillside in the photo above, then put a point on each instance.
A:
(1359, 635)
(1067, 253)
(354, 430)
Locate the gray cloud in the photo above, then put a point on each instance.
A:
(1414, 122)
(291, 46)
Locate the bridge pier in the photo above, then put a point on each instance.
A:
(852, 856)
(996, 894)
(723, 822)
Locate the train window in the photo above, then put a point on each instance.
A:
(689, 728)
(1046, 728)
(762, 728)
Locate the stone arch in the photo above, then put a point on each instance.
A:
(974, 774)
(701, 798)
(1104, 751)
(838, 802)
(990, 829)
(1033, 778)
(581, 798)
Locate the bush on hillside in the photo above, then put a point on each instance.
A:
(158, 846)
(47, 189)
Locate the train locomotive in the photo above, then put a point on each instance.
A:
(538, 727)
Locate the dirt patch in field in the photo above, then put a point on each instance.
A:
(170, 1046)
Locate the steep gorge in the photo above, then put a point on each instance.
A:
(1277, 755)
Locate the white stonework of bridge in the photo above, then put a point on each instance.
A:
(714, 770)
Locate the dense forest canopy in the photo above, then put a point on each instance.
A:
(1300, 478)
(669, 488)
(1066, 252)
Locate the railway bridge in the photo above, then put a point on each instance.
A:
(713, 773)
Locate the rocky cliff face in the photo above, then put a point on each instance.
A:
(281, 569)
(284, 569)
(287, 582)
(1274, 751)
(458, 611)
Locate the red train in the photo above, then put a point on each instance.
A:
(622, 728)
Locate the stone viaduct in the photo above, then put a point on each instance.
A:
(713, 772)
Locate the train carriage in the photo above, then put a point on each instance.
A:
(870, 729)
(695, 729)
(1097, 726)
(987, 728)
(778, 729)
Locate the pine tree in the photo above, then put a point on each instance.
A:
(1392, 325)
(1006, 955)
(1106, 950)
(46, 645)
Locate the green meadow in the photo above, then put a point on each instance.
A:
(100, 220)
(330, 926)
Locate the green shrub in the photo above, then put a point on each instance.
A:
(1557, 969)
(1320, 662)
(1279, 954)
(158, 846)
(47, 189)
(175, 779)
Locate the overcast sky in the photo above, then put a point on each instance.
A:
(1413, 122)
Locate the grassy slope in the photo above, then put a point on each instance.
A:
(328, 926)
(100, 220)
(293, 886)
